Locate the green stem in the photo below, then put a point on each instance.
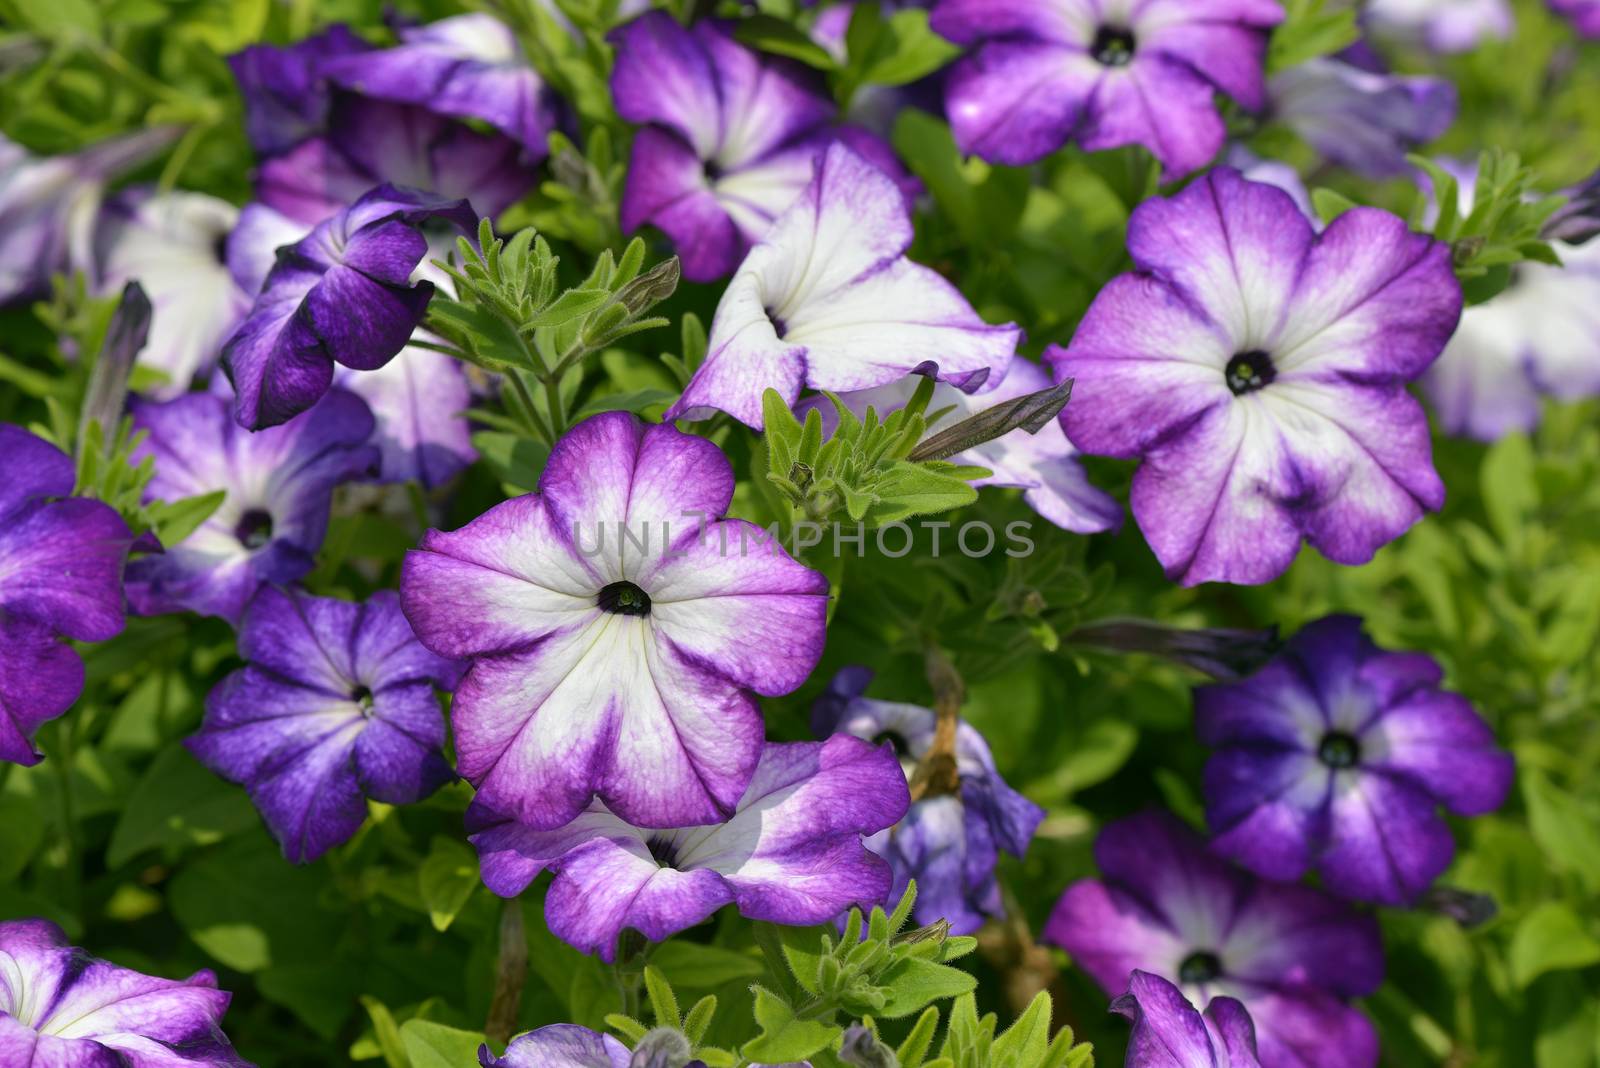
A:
(524, 395)
(558, 418)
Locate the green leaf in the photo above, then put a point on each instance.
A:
(21, 833)
(663, 1002)
(569, 306)
(173, 521)
(387, 1033)
(1567, 830)
(178, 803)
(768, 34)
(515, 459)
(903, 49)
(1510, 489)
(433, 1045)
(914, 1050)
(1330, 204)
(783, 1037)
(447, 878)
(1311, 28)
(1026, 1041)
(699, 967)
(1551, 938)
(914, 983)
(909, 489)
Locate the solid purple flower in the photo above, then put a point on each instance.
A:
(949, 844)
(285, 89)
(1364, 120)
(466, 67)
(279, 485)
(48, 206)
(1044, 466)
(335, 704)
(1291, 955)
(617, 628)
(1337, 756)
(172, 245)
(1258, 370)
(829, 300)
(729, 138)
(61, 1008)
(61, 560)
(1441, 25)
(1585, 15)
(1102, 74)
(559, 1046)
(1169, 1033)
(790, 852)
(342, 294)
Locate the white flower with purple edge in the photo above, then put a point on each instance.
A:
(1442, 25)
(335, 704)
(617, 630)
(1259, 370)
(1168, 1032)
(559, 1046)
(791, 851)
(61, 1008)
(1102, 74)
(829, 300)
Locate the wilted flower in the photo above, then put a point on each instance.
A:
(279, 484)
(1361, 119)
(617, 627)
(1169, 1033)
(1259, 371)
(949, 844)
(730, 137)
(1166, 905)
(61, 563)
(342, 294)
(1442, 25)
(829, 300)
(790, 852)
(173, 245)
(1336, 757)
(1102, 74)
(335, 704)
(62, 1008)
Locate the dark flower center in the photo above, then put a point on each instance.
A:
(254, 528)
(625, 599)
(1113, 46)
(362, 695)
(1339, 750)
(778, 325)
(663, 851)
(894, 738)
(219, 247)
(1250, 371)
(1199, 968)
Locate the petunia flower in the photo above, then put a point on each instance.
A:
(1361, 119)
(729, 137)
(62, 1008)
(1258, 370)
(335, 704)
(173, 245)
(1441, 25)
(1102, 74)
(1585, 15)
(61, 560)
(342, 294)
(279, 484)
(1273, 172)
(1337, 756)
(559, 1046)
(617, 629)
(1044, 466)
(790, 852)
(417, 399)
(48, 206)
(949, 844)
(829, 300)
(1577, 222)
(1291, 955)
(285, 90)
(466, 67)
(1169, 1033)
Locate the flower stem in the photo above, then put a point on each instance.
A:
(510, 972)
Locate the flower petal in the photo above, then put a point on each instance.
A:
(40, 678)
(606, 886)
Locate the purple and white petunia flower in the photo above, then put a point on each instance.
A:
(1291, 955)
(1273, 172)
(173, 245)
(466, 67)
(61, 1008)
(418, 399)
(559, 1046)
(1577, 222)
(48, 206)
(279, 485)
(1102, 74)
(61, 560)
(618, 629)
(1337, 756)
(829, 300)
(729, 138)
(1441, 25)
(335, 704)
(1044, 466)
(790, 852)
(1258, 369)
(285, 90)
(342, 294)
(949, 844)
(1361, 119)
(1168, 1032)
(1585, 15)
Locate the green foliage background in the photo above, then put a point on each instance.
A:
(149, 860)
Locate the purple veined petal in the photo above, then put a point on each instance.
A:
(1268, 810)
(1110, 934)
(559, 1046)
(34, 468)
(951, 860)
(767, 101)
(512, 854)
(285, 90)
(40, 678)
(666, 187)
(1437, 740)
(1192, 891)
(1362, 119)
(1387, 842)
(61, 564)
(1184, 131)
(969, 21)
(1290, 934)
(663, 76)
(1230, 55)
(1273, 172)
(1302, 1027)
(1016, 101)
(254, 243)
(1278, 707)
(1233, 1033)
(1168, 1032)
(418, 399)
(385, 649)
(637, 892)
(398, 758)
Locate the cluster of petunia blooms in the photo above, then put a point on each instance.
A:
(605, 696)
